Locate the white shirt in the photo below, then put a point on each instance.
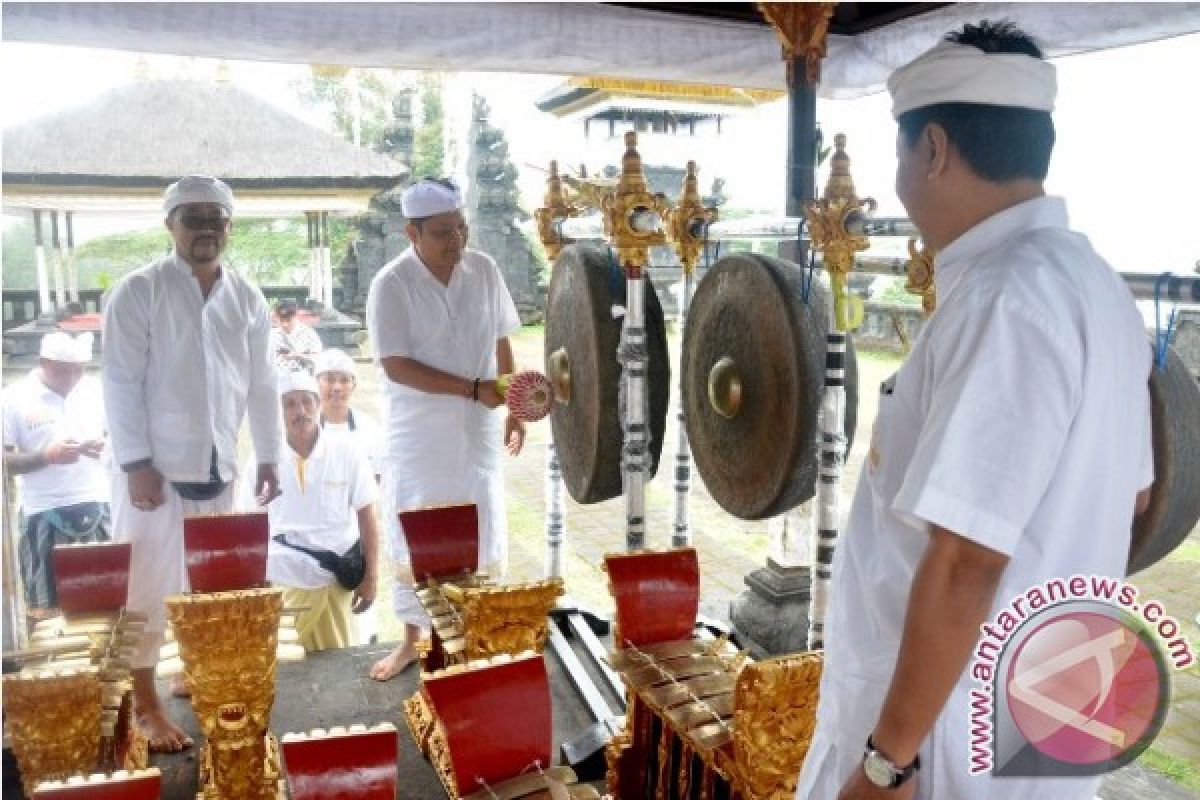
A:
(1021, 421)
(318, 509)
(443, 449)
(366, 436)
(302, 341)
(35, 417)
(180, 372)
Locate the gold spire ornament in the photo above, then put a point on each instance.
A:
(688, 220)
(833, 225)
(920, 276)
(555, 208)
(632, 214)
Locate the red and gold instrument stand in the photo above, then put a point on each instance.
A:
(702, 720)
(355, 763)
(492, 737)
(69, 711)
(471, 618)
(141, 784)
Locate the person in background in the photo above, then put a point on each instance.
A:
(327, 504)
(54, 437)
(186, 359)
(336, 382)
(293, 343)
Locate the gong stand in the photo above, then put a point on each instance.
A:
(831, 221)
(687, 224)
(633, 219)
(555, 209)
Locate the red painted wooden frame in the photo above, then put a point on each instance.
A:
(145, 786)
(92, 577)
(342, 766)
(226, 551)
(657, 595)
(442, 542)
(497, 720)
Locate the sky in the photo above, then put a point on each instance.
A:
(1127, 160)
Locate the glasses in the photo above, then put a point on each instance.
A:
(197, 223)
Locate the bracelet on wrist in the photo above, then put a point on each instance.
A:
(475, 391)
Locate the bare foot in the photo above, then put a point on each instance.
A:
(162, 735)
(179, 687)
(394, 662)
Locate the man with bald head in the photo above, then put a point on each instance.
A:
(186, 359)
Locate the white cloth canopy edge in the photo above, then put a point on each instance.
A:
(564, 38)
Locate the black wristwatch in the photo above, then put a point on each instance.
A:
(882, 772)
(133, 466)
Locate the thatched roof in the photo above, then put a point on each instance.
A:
(148, 133)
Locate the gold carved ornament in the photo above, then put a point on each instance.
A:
(556, 207)
(507, 619)
(801, 28)
(775, 714)
(227, 641)
(53, 721)
(688, 221)
(632, 214)
(920, 276)
(834, 225)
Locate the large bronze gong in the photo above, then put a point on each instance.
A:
(753, 370)
(581, 361)
(1175, 498)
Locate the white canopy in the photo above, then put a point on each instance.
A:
(563, 38)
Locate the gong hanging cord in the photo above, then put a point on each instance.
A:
(1163, 336)
(806, 278)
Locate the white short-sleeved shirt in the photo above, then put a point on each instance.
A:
(365, 435)
(443, 449)
(318, 509)
(1020, 420)
(35, 417)
(302, 340)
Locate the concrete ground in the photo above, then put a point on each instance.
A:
(730, 548)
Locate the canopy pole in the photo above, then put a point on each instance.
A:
(72, 267)
(45, 306)
(60, 283)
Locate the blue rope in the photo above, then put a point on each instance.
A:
(806, 277)
(1162, 338)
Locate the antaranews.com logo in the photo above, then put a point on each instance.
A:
(1073, 679)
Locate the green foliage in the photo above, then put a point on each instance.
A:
(429, 146)
(20, 270)
(896, 293)
(362, 97)
(1178, 770)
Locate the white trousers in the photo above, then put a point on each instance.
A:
(157, 568)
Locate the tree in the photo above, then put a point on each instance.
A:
(360, 99)
(429, 150)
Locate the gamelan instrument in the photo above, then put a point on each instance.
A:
(354, 763)
(140, 784)
(582, 338)
(69, 711)
(527, 394)
(492, 738)
(753, 368)
(472, 618)
(703, 721)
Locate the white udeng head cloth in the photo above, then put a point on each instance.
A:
(426, 198)
(296, 380)
(59, 346)
(197, 189)
(333, 360)
(959, 73)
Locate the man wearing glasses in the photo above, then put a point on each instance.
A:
(186, 358)
(439, 318)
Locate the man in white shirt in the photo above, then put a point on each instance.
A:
(54, 436)
(439, 317)
(327, 505)
(293, 343)
(336, 381)
(186, 359)
(1012, 447)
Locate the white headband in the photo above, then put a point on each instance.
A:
(959, 73)
(60, 346)
(333, 360)
(426, 198)
(296, 380)
(197, 189)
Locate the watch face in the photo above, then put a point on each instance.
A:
(878, 770)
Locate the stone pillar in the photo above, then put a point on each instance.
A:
(773, 611)
(72, 267)
(45, 304)
(326, 261)
(314, 258)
